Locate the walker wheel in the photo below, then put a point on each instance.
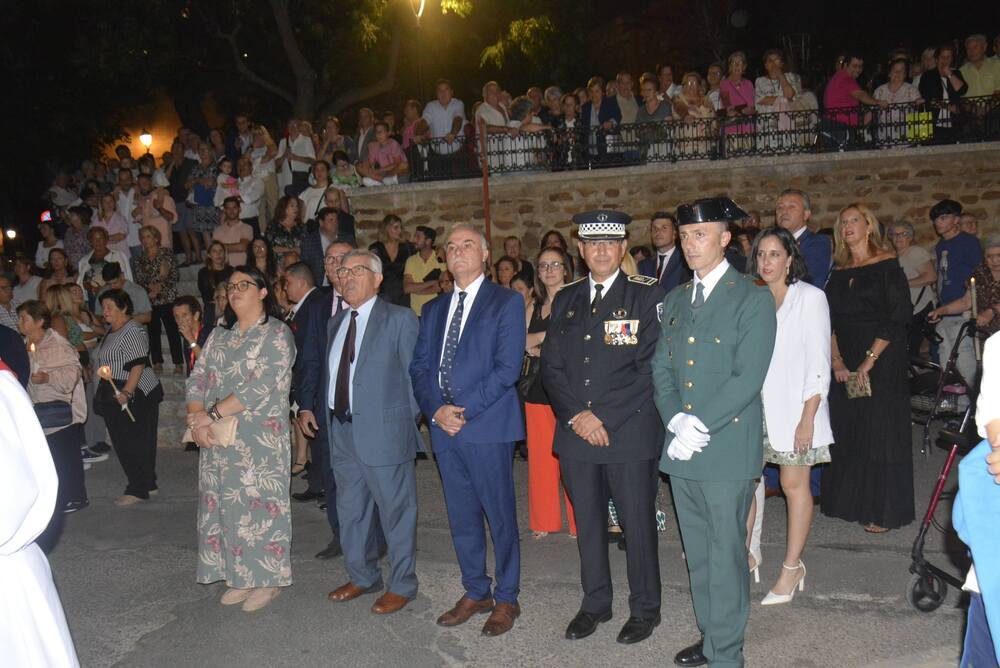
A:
(926, 592)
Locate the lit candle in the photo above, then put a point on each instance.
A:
(972, 291)
(33, 357)
(105, 373)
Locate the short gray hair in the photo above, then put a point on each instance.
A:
(978, 37)
(552, 93)
(800, 193)
(374, 261)
(468, 227)
(906, 227)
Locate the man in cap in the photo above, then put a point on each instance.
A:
(596, 371)
(717, 333)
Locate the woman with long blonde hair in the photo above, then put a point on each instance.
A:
(870, 477)
(262, 156)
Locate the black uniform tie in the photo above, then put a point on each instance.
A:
(597, 298)
(342, 392)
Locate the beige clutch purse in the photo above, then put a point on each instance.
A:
(223, 432)
(856, 387)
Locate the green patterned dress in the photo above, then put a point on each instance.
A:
(244, 519)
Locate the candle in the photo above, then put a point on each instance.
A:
(33, 357)
(972, 292)
(105, 373)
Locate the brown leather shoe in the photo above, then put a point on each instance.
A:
(463, 610)
(350, 591)
(388, 603)
(501, 619)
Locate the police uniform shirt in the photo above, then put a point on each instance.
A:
(710, 281)
(606, 284)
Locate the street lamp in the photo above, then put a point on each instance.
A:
(146, 139)
(11, 234)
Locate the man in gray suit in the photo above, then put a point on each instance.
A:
(373, 433)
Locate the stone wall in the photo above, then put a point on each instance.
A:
(897, 184)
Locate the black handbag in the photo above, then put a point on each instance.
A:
(54, 414)
(530, 367)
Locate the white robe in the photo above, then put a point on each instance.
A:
(33, 629)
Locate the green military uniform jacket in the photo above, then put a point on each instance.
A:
(711, 362)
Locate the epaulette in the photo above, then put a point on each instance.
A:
(644, 280)
(575, 282)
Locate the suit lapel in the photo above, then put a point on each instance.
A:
(438, 330)
(331, 332)
(376, 320)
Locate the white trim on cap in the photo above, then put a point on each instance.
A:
(613, 230)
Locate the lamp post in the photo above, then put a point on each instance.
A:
(146, 139)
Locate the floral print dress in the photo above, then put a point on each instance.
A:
(244, 518)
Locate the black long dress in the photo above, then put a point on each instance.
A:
(392, 271)
(870, 477)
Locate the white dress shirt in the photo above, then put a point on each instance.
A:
(606, 283)
(663, 258)
(251, 190)
(338, 303)
(440, 120)
(337, 349)
(710, 281)
(126, 204)
(470, 296)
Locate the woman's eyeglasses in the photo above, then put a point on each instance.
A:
(550, 266)
(240, 286)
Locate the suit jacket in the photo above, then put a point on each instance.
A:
(712, 365)
(675, 273)
(14, 354)
(384, 411)
(931, 89)
(311, 251)
(587, 365)
(486, 367)
(609, 111)
(817, 249)
(310, 330)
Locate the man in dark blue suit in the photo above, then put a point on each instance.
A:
(667, 265)
(319, 235)
(464, 370)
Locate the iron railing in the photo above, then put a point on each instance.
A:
(715, 138)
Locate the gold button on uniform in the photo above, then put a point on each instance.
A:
(586, 337)
(690, 362)
(690, 339)
(718, 340)
(687, 407)
(736, 419)
(689, 385)
(588, 404)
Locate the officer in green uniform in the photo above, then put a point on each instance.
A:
(717, 334)
(596, 371)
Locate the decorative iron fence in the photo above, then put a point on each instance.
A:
(717, 138)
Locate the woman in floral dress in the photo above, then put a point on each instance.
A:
(244, 520)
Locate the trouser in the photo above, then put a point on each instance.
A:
(135, 443)
(478, 480)
(163, 317)
(64, 446)
(95, 430)
(712, 516)
(544, 510)
(364, 492)
(978, 650)
(966, 363)
(632, 486)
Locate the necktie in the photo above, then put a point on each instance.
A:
(450, 346)
(661, 264)
(699, 296)
(342, 393)
(340, 304)
(597, 298)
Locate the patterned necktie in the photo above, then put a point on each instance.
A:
(597, 298)
(699, 296)
(342, 393)
(450, 346)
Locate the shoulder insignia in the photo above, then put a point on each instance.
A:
(687, 286)
(730, 283)
(644, 280)
(575, 282)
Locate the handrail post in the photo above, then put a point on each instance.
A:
(481, 127)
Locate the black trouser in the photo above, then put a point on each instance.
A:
(64, 445)
(632, 485)
(164, 313)
(135, 443)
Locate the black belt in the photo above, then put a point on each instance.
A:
(342, 419)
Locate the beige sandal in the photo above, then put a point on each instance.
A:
(234, 596)
(260, 598)
(126, 500)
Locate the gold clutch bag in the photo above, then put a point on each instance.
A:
(857, 387)
(223, 432)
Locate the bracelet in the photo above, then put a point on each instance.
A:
(869, 353)
(213, 412)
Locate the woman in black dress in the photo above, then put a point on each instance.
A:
(393, 250)
(870, 477)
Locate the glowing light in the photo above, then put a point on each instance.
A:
(146, 139)
(11, 234)
(418, 7)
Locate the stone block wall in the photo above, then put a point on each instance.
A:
(897, 184)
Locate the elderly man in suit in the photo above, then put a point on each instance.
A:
(465, 367)
(595, 369)
(667, 264)
(717, 333)
(373, 431)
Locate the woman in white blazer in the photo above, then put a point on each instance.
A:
(797, 431)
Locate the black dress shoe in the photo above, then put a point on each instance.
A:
(637, 630)
(585, 623)
(330, 551)
(308, 496)
(692, 656)
(100, 447)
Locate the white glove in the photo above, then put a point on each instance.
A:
(689, 429)
(677, 450)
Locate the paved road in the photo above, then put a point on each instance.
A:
(127, 583)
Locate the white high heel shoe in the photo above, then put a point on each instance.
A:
(755, 571)
(777, 599)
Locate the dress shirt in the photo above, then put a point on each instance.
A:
(607, 283)
(663, 258)
(338, 298)
(251, 190)
(337, 349)
(710, 281)
(470, 296)
(799, 232)
(126, 205)
(296, 305)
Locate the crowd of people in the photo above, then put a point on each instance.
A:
(621, 370)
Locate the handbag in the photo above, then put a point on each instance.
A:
(857, 388)
(530, 367)
(54, 414)
(223, 432)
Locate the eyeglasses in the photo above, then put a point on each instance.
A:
(334, 259)
(240, 286)
(602, 243)
(357, 271)
(550, 266)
